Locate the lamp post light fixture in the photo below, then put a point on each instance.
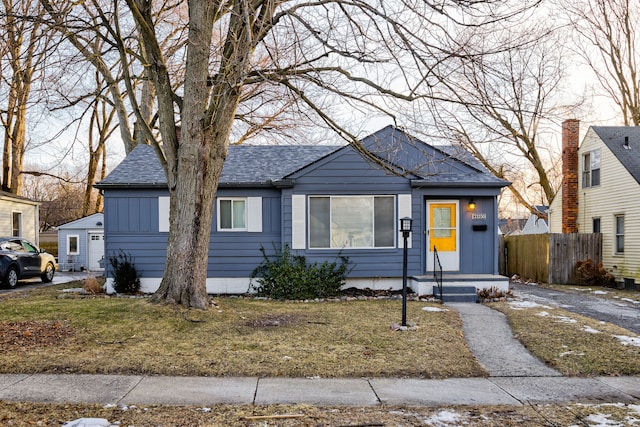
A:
(405, 228)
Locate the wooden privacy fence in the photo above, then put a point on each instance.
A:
(549, 258)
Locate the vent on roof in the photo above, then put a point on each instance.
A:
(626, 143)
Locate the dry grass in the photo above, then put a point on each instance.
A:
(238, 337)
(22, 414)
(573, 344)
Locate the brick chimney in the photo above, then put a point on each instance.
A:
(570, 143)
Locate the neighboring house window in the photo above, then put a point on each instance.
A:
(591, 169)
(596, 225)
(351, 222)
(16, 224)
(619, 234)
(73, 244)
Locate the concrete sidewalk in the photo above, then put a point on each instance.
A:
(203, 391)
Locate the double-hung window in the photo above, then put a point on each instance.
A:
(16, 224)
(73, 244)
(351, 222)
(232, 214)
(619, 243)
(591, 169)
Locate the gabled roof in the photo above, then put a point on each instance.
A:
(627, 154)
(16, 198)
(440, 165)
(90, 221)
(259, 165)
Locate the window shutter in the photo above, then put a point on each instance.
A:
(404, 210)
(298, 223)
(163, 214)
(254, 214)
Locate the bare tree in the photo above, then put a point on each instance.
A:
(351, 52)
(611, 49)
(23, 46)
(504, 104)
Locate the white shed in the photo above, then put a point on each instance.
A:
(18, 217)
(81, 244)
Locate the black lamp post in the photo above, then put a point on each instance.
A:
(405, 227)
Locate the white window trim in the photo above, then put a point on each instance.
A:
(252, 215)
(69, 236)
(372, 196)
(404, 210)
(19, 224)
(615, 234)
(298, 221)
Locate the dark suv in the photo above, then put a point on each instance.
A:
(20, 259)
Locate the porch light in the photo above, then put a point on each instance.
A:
(472, 206)
(405, 227)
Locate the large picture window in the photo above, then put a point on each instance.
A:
(351, 222)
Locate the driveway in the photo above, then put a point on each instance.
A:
(619, 312)
(58, 278)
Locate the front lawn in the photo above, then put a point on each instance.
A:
(47, 331)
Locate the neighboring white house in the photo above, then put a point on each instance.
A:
(19, 217)
(81, 244)
(606, 190)
(535, 224)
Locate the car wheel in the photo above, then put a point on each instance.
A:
(11, 279)
(49, 271)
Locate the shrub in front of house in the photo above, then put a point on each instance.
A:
(287, 276)
(126, 279)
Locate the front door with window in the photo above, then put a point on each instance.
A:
(443, 234)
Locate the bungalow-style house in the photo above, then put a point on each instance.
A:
(323, 201)
(601, 192)
(81, 244)
(19, 217)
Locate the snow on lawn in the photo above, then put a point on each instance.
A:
(521, 305)
(632, 301)
(444, 419)
(625, 340)
(604, 420)
(433, 309)
(599, 292)
(590, 330)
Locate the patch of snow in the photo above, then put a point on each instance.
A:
(434, 309)
(599, 292)
(625, 340)
(565, 319)
(590, 330)
(544, 314)
(571, 353)
(602, 420)
(520, 305)
(582, 289)
(445, 419)
(632, 301)
(89, 422)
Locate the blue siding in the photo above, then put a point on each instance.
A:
(131, 225)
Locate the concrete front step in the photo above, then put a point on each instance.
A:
(459, 294)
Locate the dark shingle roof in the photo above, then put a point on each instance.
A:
(254, 165)
(245, 164)
(614, 139)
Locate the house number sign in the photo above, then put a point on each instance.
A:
(479, 216)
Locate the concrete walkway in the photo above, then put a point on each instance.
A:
(203, 391)
(490, 339)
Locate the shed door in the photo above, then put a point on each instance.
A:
(443, 234)
(96, 250)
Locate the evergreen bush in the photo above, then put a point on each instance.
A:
(126, 279)
(287, 276)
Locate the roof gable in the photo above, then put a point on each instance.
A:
(256, 165)
(628, 155)
(15, 198)
(90, 221)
